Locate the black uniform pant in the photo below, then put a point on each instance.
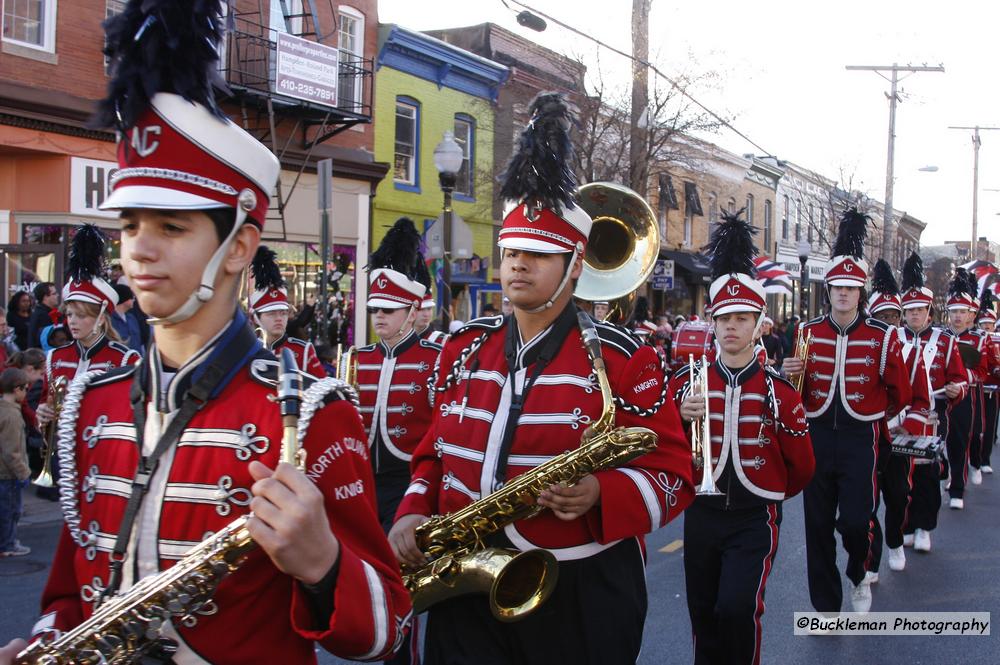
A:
(960, 425)
(840, 497)
(896, 483)
(595, 616)
(978, 428)
(389, 491)
(925, 489)
(990, 433)
(990, 402)
(728, 556)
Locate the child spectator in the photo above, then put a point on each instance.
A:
(14, 471)
(326, 358)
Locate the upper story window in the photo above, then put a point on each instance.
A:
(30, 23)
(768, 214)
(811, 222)
(784, 219)
(798, 221)
(465, 128)
(277, 21)
(351, 42)
(407, 142)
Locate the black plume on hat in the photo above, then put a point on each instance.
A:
(541, 169)
(913, 272)
(883, 281)
(86, 254)
(852, 233)
(399, 249)
(265, 270)
(641, 311)
(959, 284)
(731, 248)
(986, 304)
(161, 46)
(972, 283)
(421, 273)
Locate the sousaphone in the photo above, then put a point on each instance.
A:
(623, 246)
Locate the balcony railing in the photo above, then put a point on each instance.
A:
(249, 67)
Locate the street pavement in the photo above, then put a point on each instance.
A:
(961, 573)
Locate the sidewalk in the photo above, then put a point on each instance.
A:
(38, 510)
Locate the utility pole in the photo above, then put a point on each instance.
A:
(894, 69)
(640, 120)
(976, 142)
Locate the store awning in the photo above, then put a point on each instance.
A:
(693, 263)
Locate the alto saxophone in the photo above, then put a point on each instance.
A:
(518, 583)
(125, 627)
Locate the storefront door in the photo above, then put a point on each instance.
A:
(27, 265)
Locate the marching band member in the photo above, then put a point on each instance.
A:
(392, 375)
(601, 309)
(987, 322)
(962, 307)
(156, 456)
(88, 301)
(938, 352)
(854, 375)
(896, 469)
(761, 454)
(270, 309)
(425, 314)
(512, 392)
(393, 372)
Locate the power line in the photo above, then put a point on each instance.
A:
(674, 84)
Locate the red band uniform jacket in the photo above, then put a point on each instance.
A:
(759, 434)
(202, 483)
(939, 352)
(72, 360)
(305, 354)
(457, 461)
(915, 418)
(395, 405)
(855, 373)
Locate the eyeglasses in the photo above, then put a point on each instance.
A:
(384, 310)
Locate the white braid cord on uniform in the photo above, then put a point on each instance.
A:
(769, 380)
(664, 391)
(456, 367)
(313, 399)
(66, 445)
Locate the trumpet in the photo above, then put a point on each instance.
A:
(802, 352)
(347, 365)
(57, 392)
(701, 434)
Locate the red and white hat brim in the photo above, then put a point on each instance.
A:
(96, 292)
(391, 289)
(880, 303)
(551, 233)
(162, 198)
(749, 296)
(922, 297)
(846, 271)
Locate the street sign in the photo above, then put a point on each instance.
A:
(663, 283)
(663, 268)
(461, 238)
(663, 275)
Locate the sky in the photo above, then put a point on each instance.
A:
(781, 77)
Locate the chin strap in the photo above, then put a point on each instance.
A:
(562, 285)
(206, 290)
(398, 335)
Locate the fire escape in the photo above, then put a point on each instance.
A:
(291, 124)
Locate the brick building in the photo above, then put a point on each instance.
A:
(54, 170)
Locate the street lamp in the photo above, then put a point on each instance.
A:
(805, 249)
(448, 157)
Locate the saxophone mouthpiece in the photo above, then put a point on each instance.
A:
(289, 384)
(591, 340)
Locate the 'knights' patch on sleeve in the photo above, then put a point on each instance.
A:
(644, 383)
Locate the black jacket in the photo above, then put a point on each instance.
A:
(40, 319)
